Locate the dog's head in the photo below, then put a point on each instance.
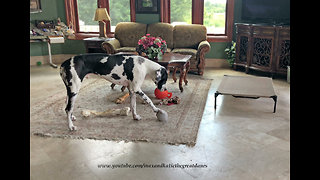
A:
(161, 78)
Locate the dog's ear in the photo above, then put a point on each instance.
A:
(163, 77)
(164, 74)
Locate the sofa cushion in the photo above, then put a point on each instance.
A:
(190, 51)
(129, 33)
(126, 49)
(164, 30)
(188, 36)
(131, 49)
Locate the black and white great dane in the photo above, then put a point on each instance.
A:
(122, 69)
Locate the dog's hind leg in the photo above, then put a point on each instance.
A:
(73, 84)
(133, 105)
(69, 108)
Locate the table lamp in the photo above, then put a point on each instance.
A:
(102, 14)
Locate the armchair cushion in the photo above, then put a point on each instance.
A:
(193, 60)
(190, 51)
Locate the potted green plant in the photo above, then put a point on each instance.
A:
(231, 53)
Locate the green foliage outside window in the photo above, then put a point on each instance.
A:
(214, 14)
(181, 11)
(86, 11)
(119, 11)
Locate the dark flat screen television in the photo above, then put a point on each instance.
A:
(266, 11)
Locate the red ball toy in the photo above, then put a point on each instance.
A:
(162, 94)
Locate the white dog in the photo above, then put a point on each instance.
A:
(126, 70)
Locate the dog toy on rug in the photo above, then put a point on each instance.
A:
(121, 99)
(162, 94)
(170, 101)
(110, 112)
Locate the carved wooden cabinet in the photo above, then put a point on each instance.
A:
(263, 48)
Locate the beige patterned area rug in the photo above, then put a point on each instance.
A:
(48, 118)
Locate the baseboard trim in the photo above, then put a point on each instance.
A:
(56, 59)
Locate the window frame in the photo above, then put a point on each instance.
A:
(197, 18)
(72, 17)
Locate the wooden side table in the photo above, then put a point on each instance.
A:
(176, 61)
(93, 45)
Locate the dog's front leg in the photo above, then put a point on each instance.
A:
(147, 100)
(133, 105)
(161, 114)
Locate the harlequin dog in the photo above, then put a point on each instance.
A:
(122, 69)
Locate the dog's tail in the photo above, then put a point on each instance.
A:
(64, 73)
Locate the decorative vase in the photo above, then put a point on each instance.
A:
(153, 56)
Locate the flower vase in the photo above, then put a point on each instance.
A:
(152, 56)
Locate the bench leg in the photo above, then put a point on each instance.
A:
(216, 94)
(275, 103)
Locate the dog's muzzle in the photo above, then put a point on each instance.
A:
(163, 88)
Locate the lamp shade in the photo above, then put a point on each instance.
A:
(101, 14)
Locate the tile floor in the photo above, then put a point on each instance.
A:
(241, 139)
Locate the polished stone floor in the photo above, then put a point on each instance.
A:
(241, 139)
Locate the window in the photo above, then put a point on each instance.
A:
(119, 12)
(216, 15)
(80, 15)
(86, 11)
(180, 12)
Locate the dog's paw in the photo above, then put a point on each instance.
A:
(162, 115)
(137, 117)
(72, 128)
(73, 118)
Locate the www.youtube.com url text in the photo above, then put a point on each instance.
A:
(143, 165)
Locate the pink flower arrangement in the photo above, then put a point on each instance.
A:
(152, 46)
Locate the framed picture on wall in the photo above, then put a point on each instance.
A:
(35, 6)
(147, 6)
